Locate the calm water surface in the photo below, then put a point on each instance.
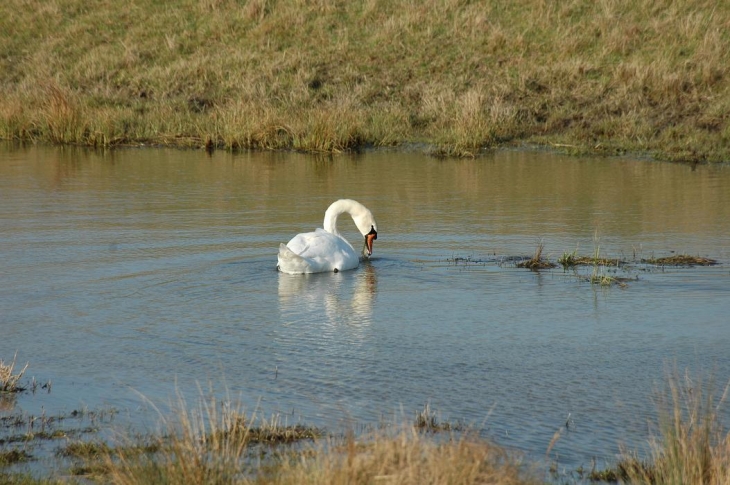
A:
(138, 272)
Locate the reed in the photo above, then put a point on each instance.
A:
(404, 458)
(693, 446)
(536, 262)
(214, 442)
(572, 259)
(10, 457)
(681, 260)
(9, 378)
(327, 76)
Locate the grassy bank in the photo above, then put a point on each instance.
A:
(216, 442)
(330, 75)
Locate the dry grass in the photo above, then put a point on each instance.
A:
(215, 443)
(210, 443)
(406, 458)
(693, 447)
(537, 261)
(428, 420)
(602, 279)
(571, 260)
(12, 457)
(9, 380)
(330, 75)
(681, 260)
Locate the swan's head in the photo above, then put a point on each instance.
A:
(371, 236)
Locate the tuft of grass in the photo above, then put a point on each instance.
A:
(273, 432)
(602, 279)
(626, 468)
(406, 457)
(571, 260)
(536, 262)
(12, 457)
(427, 420)
(9, 379)
(29, 479)
(681, 260)
(599, 276)
(210, 443)
(214, 443)
(85, 450)
(692, 447)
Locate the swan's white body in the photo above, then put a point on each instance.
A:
(325, 249)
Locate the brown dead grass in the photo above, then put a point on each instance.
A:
(328, 75)
(681, 260)
(537, 261)
(9, 378)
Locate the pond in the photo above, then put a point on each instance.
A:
(133, 274)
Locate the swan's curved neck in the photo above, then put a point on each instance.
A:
(330, 216)
(360, 214)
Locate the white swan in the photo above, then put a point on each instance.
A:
(325, 249)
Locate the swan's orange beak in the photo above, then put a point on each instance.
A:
(369, 238)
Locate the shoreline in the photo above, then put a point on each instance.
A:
(421, 148)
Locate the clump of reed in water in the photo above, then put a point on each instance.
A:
(681, 260)
(693, 445)
(9, 378)
(537, 261)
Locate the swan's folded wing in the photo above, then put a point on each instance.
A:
(315, 252)
(290, 262)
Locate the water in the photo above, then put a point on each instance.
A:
(128, 275)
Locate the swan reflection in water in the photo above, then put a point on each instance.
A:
(345, 297)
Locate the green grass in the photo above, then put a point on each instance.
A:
(329, 75)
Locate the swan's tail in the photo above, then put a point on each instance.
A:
(290, 262)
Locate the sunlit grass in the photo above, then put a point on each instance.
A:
(536, 261)
(329, 76)
(215, 442)
(692, 445)
(9, 377)
(681, 260)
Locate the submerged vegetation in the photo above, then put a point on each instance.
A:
(330, 75)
